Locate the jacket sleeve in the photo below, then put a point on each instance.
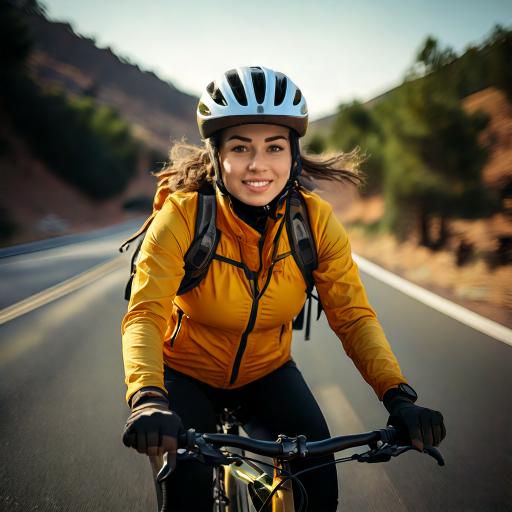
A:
(160, 269)
(347, 308)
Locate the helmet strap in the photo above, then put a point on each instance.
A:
(296, 167)
(213, 151)
(296, 160)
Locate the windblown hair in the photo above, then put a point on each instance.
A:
(189, 168)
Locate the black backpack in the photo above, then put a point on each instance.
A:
(202, 250)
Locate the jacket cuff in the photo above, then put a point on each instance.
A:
(148, 394)
(394, 396)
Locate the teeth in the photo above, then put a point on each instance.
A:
(257, 183)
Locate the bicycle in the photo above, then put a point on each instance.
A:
(242, 485)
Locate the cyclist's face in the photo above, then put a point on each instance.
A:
(255, 161)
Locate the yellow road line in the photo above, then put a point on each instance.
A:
(59, 290)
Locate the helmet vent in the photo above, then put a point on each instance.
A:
(259, 84)
(251, 94)
(215, 94)
(236, 86)
(280, 91)
(203, 109)
(297, 97)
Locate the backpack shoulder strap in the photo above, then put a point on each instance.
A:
(200, 252)
(301, 238)
(304, 252)
(126, 245)
(206, 238)
(142, 230)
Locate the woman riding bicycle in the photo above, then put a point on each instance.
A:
(226, 342)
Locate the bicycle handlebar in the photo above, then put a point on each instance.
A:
(286, 447)
(206, 447)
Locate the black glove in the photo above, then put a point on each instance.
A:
(416, 425)
(151, 427)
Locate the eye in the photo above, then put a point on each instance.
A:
(239, 149)
(275, 148)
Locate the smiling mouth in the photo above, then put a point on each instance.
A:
(257, 183)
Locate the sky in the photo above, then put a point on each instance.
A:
(334, 50)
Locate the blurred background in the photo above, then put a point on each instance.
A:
(92, 95)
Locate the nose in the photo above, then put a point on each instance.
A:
(257, 161)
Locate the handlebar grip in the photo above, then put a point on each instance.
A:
(388, 435)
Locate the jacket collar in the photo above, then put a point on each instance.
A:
(229, 221)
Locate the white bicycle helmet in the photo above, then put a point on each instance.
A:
(251, 95)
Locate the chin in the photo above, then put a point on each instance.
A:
(257, 201)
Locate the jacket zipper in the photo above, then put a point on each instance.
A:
(281, 334)
(252, 318)
(256, 297)
(177, 329)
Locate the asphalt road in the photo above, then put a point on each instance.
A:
(62, 404)
(31, 268)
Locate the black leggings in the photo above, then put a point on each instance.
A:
(279, 403)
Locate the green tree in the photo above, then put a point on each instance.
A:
(432, 58)
(433, 159)
(15, 42)
(500, 59)
(357, 126)
(90, 147)
(480, 66)
(317, 144)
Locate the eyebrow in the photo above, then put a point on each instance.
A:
(247, 139)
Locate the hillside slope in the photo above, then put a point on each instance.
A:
(155, 108)
(35, 203)
(482, 281)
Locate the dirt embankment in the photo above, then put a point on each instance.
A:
(38, 205)
(481, 284)
(475, 286)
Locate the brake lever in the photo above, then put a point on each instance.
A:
(435, 453)
(196, 449)
(386, 451)
(204, 453)
(167, 468)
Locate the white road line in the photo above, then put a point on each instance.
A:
(460, 313)
(464, 315)
(59, 290)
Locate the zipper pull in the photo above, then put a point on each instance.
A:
(253, 279)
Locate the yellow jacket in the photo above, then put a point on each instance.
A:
(231, 330)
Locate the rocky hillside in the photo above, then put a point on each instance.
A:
(155, 108)
(34, 202)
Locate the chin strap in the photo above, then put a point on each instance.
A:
(296, 168)
(296, 159)
(213, 151)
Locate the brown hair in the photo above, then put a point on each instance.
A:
(189, 167)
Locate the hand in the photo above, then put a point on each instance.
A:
(151, 427)
(417, 425)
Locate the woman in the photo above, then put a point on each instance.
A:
(226, 342)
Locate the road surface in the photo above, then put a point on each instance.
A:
(62, 398)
